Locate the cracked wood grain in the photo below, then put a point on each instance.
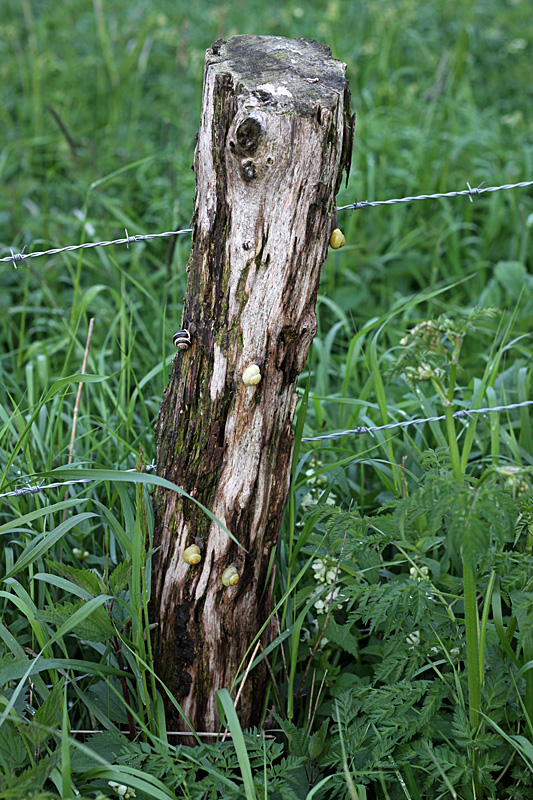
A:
(275, 136)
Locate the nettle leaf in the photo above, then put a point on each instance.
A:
(84, 578)
(95, 628)
(369, 562)
(318, 741)
(120, 577)
(21, 701)
(297, 739)
(31, 781)
(107, 745)
(107, 700)
(13, 754)
(512, 276)
(11, 668)
(48, 715)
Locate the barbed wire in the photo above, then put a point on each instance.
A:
(362, 429)
(470, 192)
(40, 487)
(19, 259)
(457, 415)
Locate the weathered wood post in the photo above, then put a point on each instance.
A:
(275, 136)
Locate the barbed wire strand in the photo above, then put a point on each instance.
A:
(457, 415)
(470, 192)
(19, 491)
(19, 259)
(362, 429)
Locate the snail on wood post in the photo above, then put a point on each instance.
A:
(251, 375)
(337, 239)
(192, 554)
(182, 339)
(230, 576)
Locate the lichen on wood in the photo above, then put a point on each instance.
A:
(275, 136)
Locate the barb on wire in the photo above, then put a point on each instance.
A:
(18, 491)
(476, 191)
(467, 412)
(19, 259)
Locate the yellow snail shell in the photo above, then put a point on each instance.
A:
(230, 576)
(251, 375)
(337, 239)
(192, 554)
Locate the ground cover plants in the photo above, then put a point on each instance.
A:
(402, 667)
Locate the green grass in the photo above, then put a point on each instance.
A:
(100, 105)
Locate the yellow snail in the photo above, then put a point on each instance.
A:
(192, 554)
(251, 375)
(182, 339)
(230, 576)
(337, 239)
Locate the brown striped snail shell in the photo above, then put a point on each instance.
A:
(182, 339)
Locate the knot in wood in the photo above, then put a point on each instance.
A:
(248, 171)
(248, 135)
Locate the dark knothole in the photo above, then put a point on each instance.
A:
(248, 135)
(248, 171)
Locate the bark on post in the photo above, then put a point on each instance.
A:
(275, 136)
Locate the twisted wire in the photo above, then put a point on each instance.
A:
(19, 259)
(40, 487)
(362, 429)
(470, 192)
(391, 425)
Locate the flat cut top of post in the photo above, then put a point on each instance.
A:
(298, 72)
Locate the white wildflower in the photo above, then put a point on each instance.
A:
(330, 575)
(307, 501)
(122, 790)
(516, 45)
(319, 566)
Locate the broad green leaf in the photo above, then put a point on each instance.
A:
(47, 716)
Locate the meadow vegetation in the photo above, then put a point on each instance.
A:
(403, 667)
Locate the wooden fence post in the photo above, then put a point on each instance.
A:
(275, 136)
